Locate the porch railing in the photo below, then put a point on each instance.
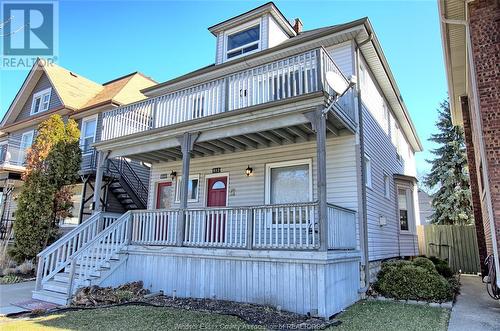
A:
(218, 227)
(285, 78)
(342, 229)
(57, 256)
(156, 227)
(12, 153)
(289, 226)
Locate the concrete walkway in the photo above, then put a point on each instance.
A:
(13, 293)
(474, 309)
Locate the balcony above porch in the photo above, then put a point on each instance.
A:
(283, 82)
(12, 157)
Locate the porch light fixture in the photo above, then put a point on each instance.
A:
(173, 175)
(248, 171)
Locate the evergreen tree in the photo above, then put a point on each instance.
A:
(449, 174)
(52, 165)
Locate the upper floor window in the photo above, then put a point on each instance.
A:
(41, 101)
(26, 142)
(387, 186)
(242, 42)
(193, 186)
(88, 133)
(368, 171)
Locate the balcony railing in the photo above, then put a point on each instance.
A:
(286, 78)
(289, 226)
(12, 153)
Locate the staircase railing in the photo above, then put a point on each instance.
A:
(99, 251)
(123, 168)
(56, 257)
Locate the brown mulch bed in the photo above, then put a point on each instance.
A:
(266, 316)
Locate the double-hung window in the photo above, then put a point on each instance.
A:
(242, 42)
(403, 207)
(88, 133)
(26, 142)
(41, 101)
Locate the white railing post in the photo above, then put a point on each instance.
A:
(249, 228)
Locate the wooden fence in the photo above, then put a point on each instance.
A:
(455, 243)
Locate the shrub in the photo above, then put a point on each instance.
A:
(408, 281)
(442, 267)
(425, 263)
(25, 268)
(10, 279)
(124, 295)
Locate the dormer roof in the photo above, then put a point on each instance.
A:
(268, 8)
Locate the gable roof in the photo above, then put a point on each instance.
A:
(76, 92)
(122, 90)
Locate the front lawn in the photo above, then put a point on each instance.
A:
(365, 315)
(127, 318)
(388, 316)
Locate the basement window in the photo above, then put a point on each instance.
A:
(243, 42)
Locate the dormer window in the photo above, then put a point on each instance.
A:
(41, 101)
(243, 42)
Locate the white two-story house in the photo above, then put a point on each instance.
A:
(264, 187)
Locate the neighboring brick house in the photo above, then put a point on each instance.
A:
(471, 42)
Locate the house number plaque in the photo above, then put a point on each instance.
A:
(216, 170)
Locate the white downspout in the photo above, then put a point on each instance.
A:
(477, 127)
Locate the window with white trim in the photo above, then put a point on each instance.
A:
(88, 133)
(243, 42)
(193, 188)
(403, 207)
(387, 186)
(386, 121)
(41, 101)
(289, 182)
(26, 142)
(368, 171)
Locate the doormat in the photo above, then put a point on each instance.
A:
(34, 304)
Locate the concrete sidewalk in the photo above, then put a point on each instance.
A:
(13, 293)
(474, 309)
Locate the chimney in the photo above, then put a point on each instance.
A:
(297, 25)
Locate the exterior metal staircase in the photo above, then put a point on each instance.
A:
(126, 185)
(83, 257)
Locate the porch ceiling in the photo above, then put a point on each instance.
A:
(244, 142)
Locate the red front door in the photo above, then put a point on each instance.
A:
(216, 197)
(217, 192)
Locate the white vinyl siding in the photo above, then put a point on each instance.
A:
(276, 33)
(250, 190)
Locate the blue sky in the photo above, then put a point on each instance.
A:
(102, 40)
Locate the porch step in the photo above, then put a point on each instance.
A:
(49, 296)
(63, 277)
(56, 286)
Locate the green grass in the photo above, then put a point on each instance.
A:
(388, 316)
(127, 318)
(365, 315)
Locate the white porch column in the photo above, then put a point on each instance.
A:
(101, 159)
(187, 141)
(318, 121)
